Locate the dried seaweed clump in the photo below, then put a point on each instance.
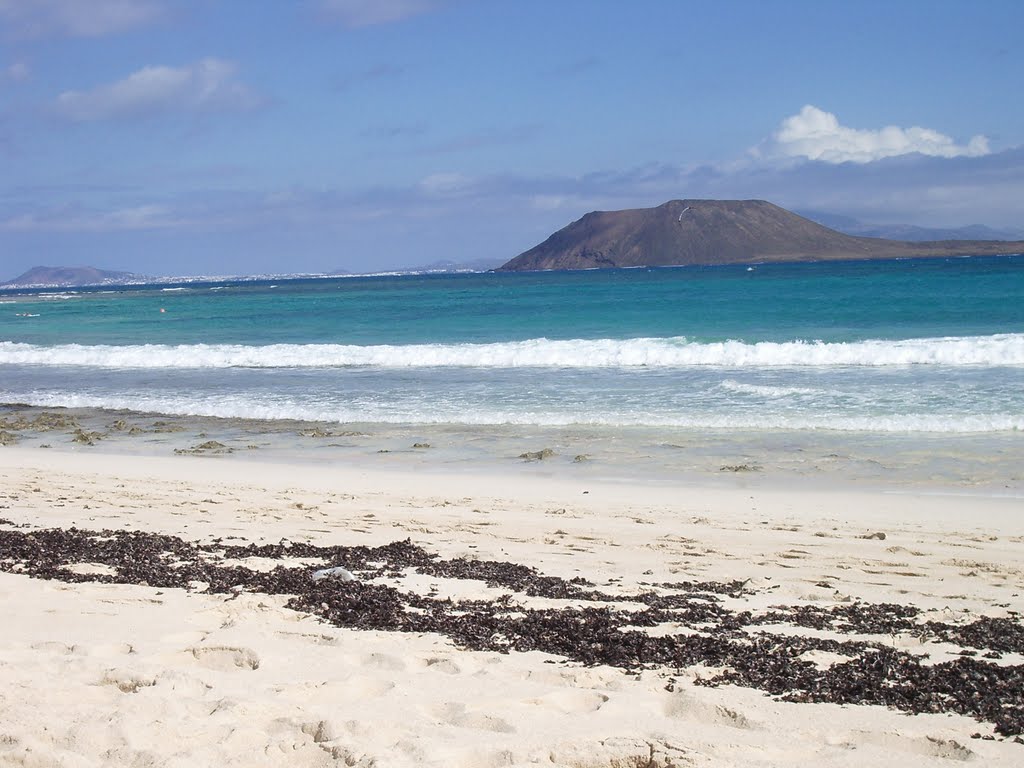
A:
(589, 629)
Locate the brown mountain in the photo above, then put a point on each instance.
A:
(721, 232)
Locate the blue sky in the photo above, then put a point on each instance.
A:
(245, 136)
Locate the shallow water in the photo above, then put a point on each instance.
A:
(984, 464)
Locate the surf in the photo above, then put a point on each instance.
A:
(675, 352)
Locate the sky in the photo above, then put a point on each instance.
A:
(225, 137)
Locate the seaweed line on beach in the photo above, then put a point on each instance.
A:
(594, 628)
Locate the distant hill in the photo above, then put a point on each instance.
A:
(67, 277)
(851, 226)
(709, 232)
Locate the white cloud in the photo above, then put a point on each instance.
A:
(817, 135)
(76, 18)
(365, 13)
(75, 219)
(16, 72)
(206, 85)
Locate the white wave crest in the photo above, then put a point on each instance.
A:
(995, 350)
(764, 390)
(245, 407)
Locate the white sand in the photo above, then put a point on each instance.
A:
(94, 674)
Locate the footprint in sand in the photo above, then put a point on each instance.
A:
(107, 650)
(928, 746)
(316, 639)
(454, 713)
(126, 682)
(440, 664)
(366, 687)
(686, 706)
(571, 701)
(383, 661)
(225, 658)
(620, 751)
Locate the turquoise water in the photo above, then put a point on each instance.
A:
(831, 302)
(911, 346)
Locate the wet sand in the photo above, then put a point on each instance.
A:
(984, 463)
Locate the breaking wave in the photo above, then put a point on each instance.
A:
(678, 352)
(244, 406)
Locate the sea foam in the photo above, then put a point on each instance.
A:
(677, 352)
(245, 406)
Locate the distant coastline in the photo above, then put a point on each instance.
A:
(86, 277)
(142, 282)
(677, 233)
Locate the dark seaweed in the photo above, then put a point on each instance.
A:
(594, 632)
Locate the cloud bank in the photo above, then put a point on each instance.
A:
(243, 230)
(204, 86)
(815, 134)
(76, 18)
(77, 218)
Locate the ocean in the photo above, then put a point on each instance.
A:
(672, 367)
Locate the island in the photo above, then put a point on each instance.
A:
(711, 232)
(68, 277)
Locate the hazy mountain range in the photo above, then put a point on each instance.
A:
(851, 226)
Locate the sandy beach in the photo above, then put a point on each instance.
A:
(94, 672)
(444, 384)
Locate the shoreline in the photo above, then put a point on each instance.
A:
(176, 676)
(984, 463)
